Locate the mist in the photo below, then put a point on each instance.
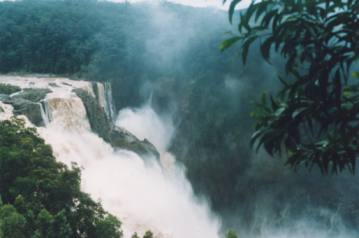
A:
(145, 192)
(261, 197)
(172, 86)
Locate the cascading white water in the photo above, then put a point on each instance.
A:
(142, 193)
(180, 207)
(5, 111)
(44, 115)
(104, 98)
(109, 100)
(144, 196)
(145, 123)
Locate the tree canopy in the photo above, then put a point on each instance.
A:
(175, 59)
(40, 197)
(314, 119)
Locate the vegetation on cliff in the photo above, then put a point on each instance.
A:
(41, 197)
(171, 53)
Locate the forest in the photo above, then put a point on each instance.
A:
(176, 57)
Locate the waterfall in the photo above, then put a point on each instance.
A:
(5, 111)
(109, 99)
(44, 114)
(143, 195)
(103, 92)
(100, 94)
(68, 113)
(145, 123)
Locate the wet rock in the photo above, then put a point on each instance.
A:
(53, 85)
(4, 97)
(8, 89)
(33, 94)
(27, 103)
(27, 108)
(67, 84)
(103, 127)
(96, 115)
(122, 138)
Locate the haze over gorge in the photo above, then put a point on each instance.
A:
(151, 196)
(125, 119)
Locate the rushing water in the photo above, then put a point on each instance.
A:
(144, 195)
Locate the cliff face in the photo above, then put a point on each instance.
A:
(44, 99)
(98, 111)
(142, 192)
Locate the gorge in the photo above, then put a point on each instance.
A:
(144, 194)
(159, 122)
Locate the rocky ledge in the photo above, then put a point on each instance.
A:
(28, 101)
(116, 136)
(25, 102)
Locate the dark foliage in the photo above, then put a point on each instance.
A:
(209, 93)
(314, 119)
(126, 48)
(41, 197)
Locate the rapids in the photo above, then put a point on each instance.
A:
(143, 195)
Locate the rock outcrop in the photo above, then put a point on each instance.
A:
(33, 94)
(96, 115)
(8, 89)
(25, 102)
(116, 136)
(27, 108)
(96, 98)
(121, 138)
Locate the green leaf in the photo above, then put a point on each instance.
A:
(232, 8)
(261, 8)
(245, 47)
(298, 112)
(256, 136)
(268, 17)
(279, 111)
(266, 47)
(249, 12)
(228, 43)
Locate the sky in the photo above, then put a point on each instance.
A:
(196, 3)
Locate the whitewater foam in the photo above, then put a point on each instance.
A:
(145, 196)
